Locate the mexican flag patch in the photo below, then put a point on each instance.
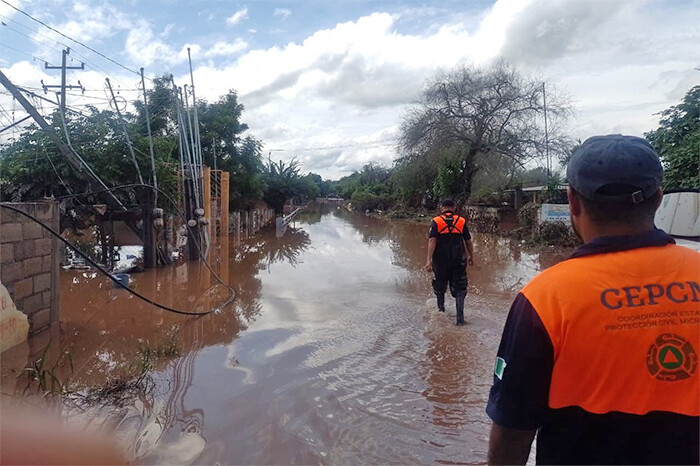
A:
(500, 367)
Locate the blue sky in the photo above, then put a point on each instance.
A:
(328, 81)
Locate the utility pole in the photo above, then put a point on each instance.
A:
(150, 136)
(546, 133)
(73, 160)
(63, 85)
(198, 147)
(149, 238)
(126, 133)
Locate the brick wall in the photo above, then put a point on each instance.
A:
(29, 262)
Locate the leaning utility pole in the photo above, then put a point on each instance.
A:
(126, 133)
(150, 136)
(63, 85)
(73, 160)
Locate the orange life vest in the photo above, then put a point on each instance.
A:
(450, 224)
(625, 330)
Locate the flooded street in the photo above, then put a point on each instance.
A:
(333, 351)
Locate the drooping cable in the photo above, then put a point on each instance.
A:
(48, 157)
(109, 275)
(182, 216)
(68, 37)
(70, 146)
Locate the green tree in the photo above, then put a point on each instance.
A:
(374, 178)
(471, 117)
(32, 167)
(323, 186)
(283, 182)
(677, 139)
(225, 147)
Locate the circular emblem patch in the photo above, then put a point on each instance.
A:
(671, 358)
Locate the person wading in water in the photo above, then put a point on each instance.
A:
(450, 249)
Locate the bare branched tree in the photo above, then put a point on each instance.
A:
(473, 118)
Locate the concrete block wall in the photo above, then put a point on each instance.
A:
(29, 262)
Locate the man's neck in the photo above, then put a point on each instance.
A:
(616, 230)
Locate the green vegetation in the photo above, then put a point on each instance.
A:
(284, 182)
(126, 383)
(473, 134)
(31, 167)
(369, 189)
(471, 122)
(45, 375)
(468, 138)
(678, 141)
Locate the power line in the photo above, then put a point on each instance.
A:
(52, 39)
(113, 277)
(30, 37)
(87, 63)
(342, 146)
(69, 38)
(56, 172)
(23, 53)
(6, 113)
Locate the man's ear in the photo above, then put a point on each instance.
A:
(575, 204)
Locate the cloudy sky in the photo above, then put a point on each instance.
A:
(328, 81)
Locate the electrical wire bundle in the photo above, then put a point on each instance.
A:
(98, 267)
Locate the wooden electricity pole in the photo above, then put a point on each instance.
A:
(63, 85)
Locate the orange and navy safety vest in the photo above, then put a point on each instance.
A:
(628, 340)
(448, 224)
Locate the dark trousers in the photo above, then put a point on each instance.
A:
(454, 274)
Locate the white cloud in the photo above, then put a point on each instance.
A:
(341, 84)
(341, 88)
(167, 30)
(282, 13)
(7, 10)
(621, 60)
(238, 16)
(142, 46)
(222, 48)
(335, 99)
(90, 21)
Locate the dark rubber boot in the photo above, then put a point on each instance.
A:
(459, 301)
(441, 302)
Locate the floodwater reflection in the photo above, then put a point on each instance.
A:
(331, 353)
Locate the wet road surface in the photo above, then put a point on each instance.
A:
(333, 351)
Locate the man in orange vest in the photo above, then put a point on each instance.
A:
(450, 249)
(599, 353)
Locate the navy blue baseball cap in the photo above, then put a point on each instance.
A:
(615, 169)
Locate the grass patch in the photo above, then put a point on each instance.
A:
(128, 383)
(45, 375)
(134, 381)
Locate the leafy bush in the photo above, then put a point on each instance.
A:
(364, 200)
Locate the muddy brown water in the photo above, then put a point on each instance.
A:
(333, 351)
